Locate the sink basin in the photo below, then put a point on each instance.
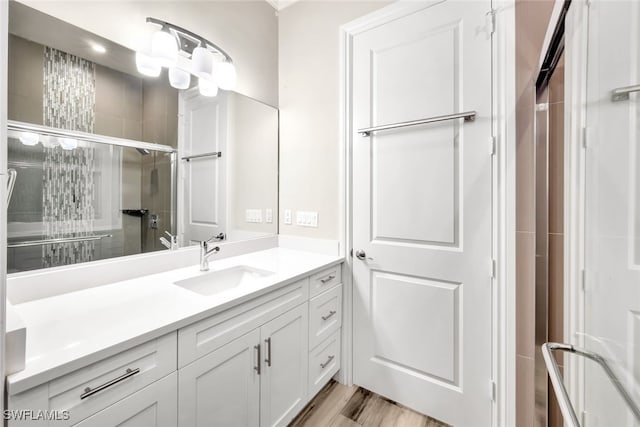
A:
(223, 280)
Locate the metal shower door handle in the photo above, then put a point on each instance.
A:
(567, 409)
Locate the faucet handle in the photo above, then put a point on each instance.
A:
(218, 237)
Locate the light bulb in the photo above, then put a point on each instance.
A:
(68, 143)
(29, 138)
(164, 48)
(179, 79)
(202, 62)
(207, 87)
(147, 65)
(227, 76)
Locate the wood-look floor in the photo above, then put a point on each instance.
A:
(338, 405)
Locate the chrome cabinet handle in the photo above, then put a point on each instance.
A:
(257, 367)
(268, 344)
(91, 391)
(328, 278)
(329, 359)
(328, 316)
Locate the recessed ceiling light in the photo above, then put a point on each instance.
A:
(98, 48)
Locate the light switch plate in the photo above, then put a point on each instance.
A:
(268, 216)
(287, 216)
(307, 219)
(253, 215)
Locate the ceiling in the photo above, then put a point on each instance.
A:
(281, 4)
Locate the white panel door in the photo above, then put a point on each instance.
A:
(153, 406)
(204, 127)
(222, 388)
(422, 211)
(612, 212)
(284, 377)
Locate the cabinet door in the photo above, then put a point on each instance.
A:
(284, 376)
(153, 406)
(223, 387)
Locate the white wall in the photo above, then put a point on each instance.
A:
(309, 110)
(247, 30)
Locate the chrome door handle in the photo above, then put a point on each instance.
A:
(360, 254)
(91, 391)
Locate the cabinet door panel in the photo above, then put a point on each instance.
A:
(153, 406)
(284, 379)
(222, 388)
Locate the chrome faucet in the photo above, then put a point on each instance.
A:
(205, 253)
(172, 243)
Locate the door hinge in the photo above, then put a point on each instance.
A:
(583, 280)
(491, 17)
(585, 137)
(494, 391)
(494, 268)
(493, 145)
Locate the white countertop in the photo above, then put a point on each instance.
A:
(66, 332)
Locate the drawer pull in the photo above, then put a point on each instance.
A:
(328, 316)
(257, 367)
(268, 344)
(90, 392)
(328, 278)
(329, 359)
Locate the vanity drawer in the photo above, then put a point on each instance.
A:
(324, 362)
(325, 315)
(97, 386)
(201, 338)
(325, 279)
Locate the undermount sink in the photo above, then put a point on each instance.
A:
(223, 280)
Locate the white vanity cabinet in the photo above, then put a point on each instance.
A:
(256, 364)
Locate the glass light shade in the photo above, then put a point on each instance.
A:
(164, 48)
(29, 138)
(147, 65)
(179, 79)
(202, 62)
(68, 143)
(207, 87)
(227, 76)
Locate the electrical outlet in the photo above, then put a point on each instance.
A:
(307, 219)
(287, 216)
(253, 215)
(268, 216)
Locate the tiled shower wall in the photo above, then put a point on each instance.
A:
(126, 106)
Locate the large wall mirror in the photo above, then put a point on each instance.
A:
(109, 162)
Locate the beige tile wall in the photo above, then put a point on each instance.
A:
(532, 17)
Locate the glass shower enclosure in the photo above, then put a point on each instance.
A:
(80, 197)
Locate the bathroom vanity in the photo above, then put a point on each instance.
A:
(249, 342)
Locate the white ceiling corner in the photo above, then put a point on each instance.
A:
(281, 4)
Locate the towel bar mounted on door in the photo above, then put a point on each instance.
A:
(468, 116)
(200, 156)
(622, 93)
(568, 412)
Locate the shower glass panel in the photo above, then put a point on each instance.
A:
(77, 200)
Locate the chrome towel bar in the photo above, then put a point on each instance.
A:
(622, 93)
(13, 174)
(27, 243)
(199, 156)
(568, 412)
(468, 116)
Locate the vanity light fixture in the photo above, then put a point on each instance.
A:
(29, 138)
(98, 48)
(68, 143)
(186, 53)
